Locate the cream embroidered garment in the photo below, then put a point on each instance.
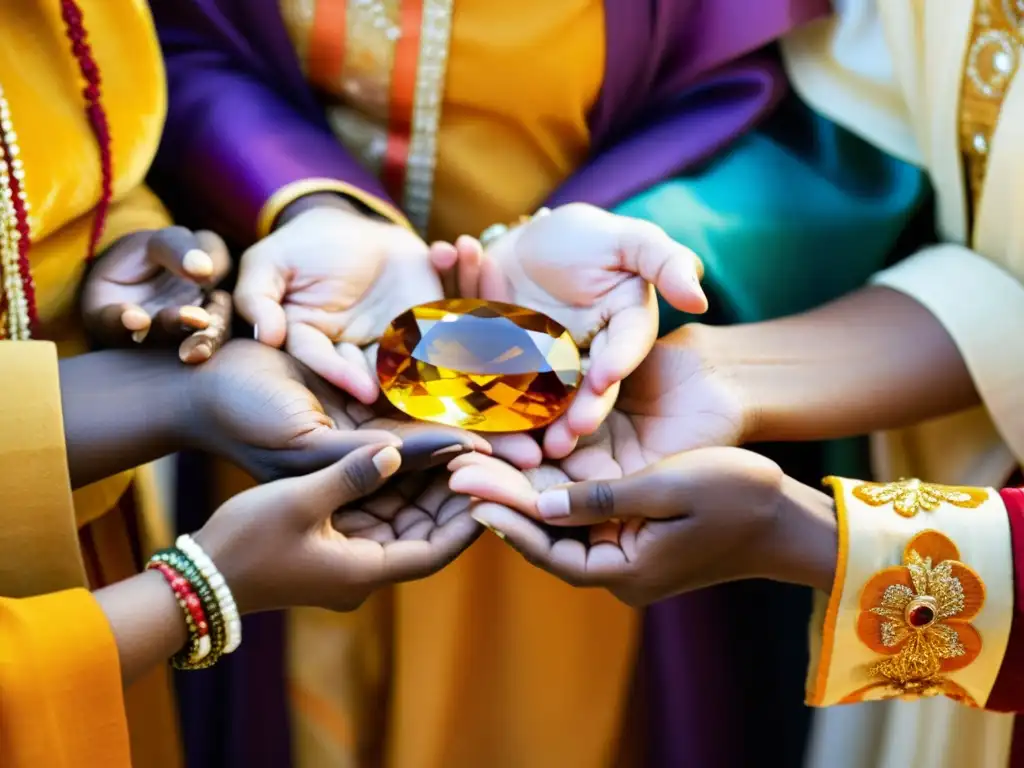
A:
(933, 82)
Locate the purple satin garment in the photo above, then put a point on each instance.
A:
(680, 85)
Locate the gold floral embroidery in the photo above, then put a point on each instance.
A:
(917, 616)
(909, 497)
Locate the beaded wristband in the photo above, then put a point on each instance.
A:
(199, 645)
(225, 600)
(180, 562)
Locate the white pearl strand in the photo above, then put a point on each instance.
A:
(225, 600)
(10, 237)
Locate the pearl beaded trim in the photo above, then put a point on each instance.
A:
(17, 320)
(225, 600)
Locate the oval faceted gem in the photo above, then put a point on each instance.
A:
(479, 365)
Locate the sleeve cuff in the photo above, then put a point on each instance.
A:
(60, 682)
(981, 306)
(289, 193)
(923, 597)
(35, 486)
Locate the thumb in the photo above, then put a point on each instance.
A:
(646, 250)
(357, 475)
(180, 252)
(711, 477)
(258, 295)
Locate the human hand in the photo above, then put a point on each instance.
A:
(682, 397)
(152, 287)
(595, 273)
(689, 521)
(292, 542)
(272, 417)
(328, 276)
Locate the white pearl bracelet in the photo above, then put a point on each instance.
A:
(225, 600)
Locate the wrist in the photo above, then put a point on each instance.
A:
(122, 409)
(804, 544)
(320, 200)
(736, 371)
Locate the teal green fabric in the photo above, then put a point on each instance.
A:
(794, 216)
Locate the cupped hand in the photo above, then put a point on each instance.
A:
(679, 398)
(327, 282)
(595, 273)
(273, 417)
(689, 521)
(292, 542)
(153, 287)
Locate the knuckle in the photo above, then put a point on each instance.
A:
(360, 476)
(601, 499)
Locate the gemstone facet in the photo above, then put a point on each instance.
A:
(480, 365)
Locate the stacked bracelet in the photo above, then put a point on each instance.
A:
(210, 613)
(225, 600)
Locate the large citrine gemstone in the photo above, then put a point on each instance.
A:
(479, 365)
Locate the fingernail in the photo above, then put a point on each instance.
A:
(197, 263)
(200, 353)
(135, 320)
(417, 461)
(140, 336)
(553, 504)
(387, 461)
(256, 333)
(444, 455)
(486, 525)
(194, 316)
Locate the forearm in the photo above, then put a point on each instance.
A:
(146, 620)
(873, 360)
(121, 409)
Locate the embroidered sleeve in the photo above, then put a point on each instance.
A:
(923, 597)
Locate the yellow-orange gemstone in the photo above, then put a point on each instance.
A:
(479, 365)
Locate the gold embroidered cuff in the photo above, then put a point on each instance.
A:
(923, 595)
(289, 193)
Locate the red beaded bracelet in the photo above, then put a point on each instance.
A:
(199, 628)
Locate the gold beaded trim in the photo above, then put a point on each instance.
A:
(435, 38)
(15, 321)
(992, 61)
(371, 34)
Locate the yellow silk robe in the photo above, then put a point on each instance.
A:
(61, 702)
(936, 83)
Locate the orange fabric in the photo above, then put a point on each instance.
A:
(403, 91)
(60, 685)
(491, 662)
(498, 93)
(69, 681)
(111, 554)
(326, 41)
(38, 551)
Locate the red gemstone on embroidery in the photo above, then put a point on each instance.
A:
(920, 616)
